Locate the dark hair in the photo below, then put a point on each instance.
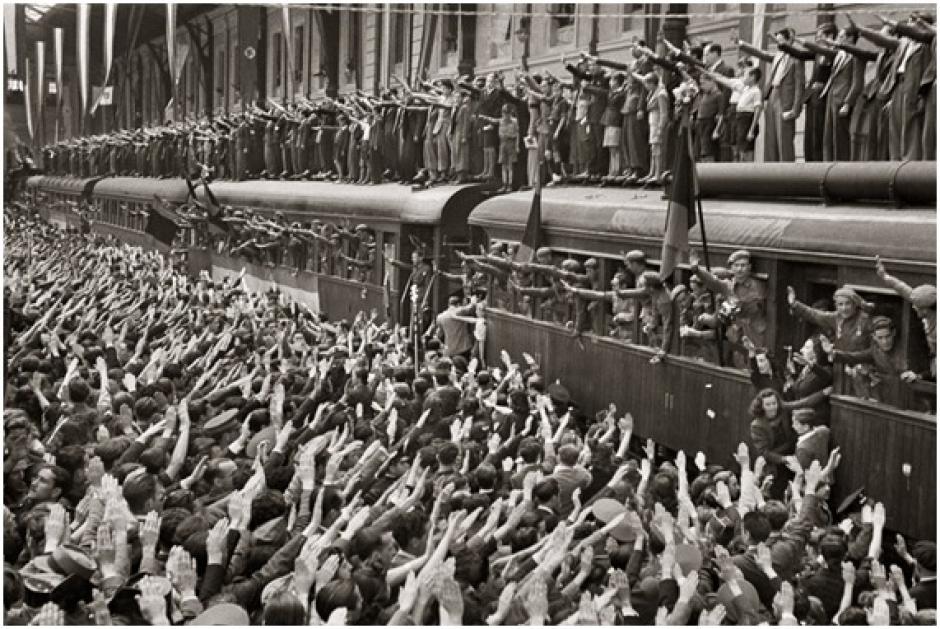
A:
(138, 490)
(757, 525)
(78, 391)
(777, 514)
(545, 490)
(170, 519)
(365, 542)
(756, 74)
(269, 505)
(284, 609)
(757, 404)
(447, 453)
(335, 594)
(715, 48)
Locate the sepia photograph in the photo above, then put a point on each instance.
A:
(469, 314)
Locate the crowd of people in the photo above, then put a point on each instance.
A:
(608, 122)
(180, 450)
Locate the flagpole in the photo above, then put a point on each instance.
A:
(708, 266)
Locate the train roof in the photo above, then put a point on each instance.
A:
(612, 214)
(384, 202)
(59, 184)
(142, 189)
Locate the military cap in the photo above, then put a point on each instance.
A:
(924, 296)
(804, 415)
(635, 256)
(571, 265)
(740, 254)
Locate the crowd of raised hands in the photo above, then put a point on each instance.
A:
(183, 451)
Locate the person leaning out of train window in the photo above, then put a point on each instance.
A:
(886, 357)
(658, 316)
(748, 294)
(849, 327)
(764, 373)
(809, 377)
(698, 324)
(924, 300)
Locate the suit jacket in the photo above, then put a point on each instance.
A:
(846, 81)
(925, 593)
(790, 89)
(815, 447)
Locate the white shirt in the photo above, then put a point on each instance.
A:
(749, 99)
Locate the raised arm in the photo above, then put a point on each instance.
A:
(753, 51)
(855, 51)
(797, 53)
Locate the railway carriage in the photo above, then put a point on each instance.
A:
(685, 403)
(396, 216)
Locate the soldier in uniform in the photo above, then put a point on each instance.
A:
(748, 296)
(849, 328)
(421, 273)
(362, 241)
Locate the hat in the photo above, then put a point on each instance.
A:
(853, 502)
(606, 509)
(689, 558)
(747, 604)
(740, 254)
(221, 423)
(362, 227)
(924, 296)
(804, 415)
(223, 614)
(267, 434)
(635, 256)
(72, 560)
(558, 393)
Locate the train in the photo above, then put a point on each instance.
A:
(811, 226)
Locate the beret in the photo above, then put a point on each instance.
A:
(924, 296)
(635, 256)
(740, 254)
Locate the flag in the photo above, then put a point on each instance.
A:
(532, 238)
(110, 11)
(81, 39)
(9, 36)
(680, 213)
(40, 89)
(171, 39)
(289, 46)
(27, 104)
(59, 35)
(161, 224)
(387, 294)
(214, 211)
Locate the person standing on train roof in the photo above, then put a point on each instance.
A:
(747, 293)
(783, 93)
(924, 300)
(849, 327)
